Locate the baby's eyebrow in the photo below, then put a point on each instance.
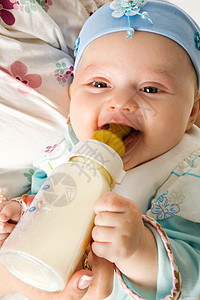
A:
(167, 73)
(93, 70)
(163, 71)
(88, 67)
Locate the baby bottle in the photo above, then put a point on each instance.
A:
(47, 244)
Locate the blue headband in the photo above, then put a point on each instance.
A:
(156, 16)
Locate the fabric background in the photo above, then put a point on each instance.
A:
(37, 39)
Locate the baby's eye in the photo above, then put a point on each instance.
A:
(150, 90)
(99, 84)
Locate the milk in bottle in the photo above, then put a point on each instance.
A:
(46, 245)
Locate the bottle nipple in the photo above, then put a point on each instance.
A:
(113, 137)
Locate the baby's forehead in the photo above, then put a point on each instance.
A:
(151, 54)
(146, 42)
(159, 17)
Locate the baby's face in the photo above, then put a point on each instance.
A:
(146, 82)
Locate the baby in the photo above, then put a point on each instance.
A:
(138, 64)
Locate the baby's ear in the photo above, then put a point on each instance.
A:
(195, 111)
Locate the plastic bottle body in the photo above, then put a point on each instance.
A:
(49, 241)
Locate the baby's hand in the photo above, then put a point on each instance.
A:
(119, 230)
(10, 213)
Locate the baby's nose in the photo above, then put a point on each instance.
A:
(123, 99)
(127, 107)
(123, 102)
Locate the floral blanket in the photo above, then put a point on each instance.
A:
(37, 39)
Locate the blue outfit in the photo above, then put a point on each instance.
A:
(169, 201)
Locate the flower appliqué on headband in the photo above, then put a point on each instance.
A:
(129, 8)
(197, 40)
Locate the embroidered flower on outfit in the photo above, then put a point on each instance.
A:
(25, 82)
(163, 209)
(129, 8)
(63, 72)
(6, 15)
(197, 40)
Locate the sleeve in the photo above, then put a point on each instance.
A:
(184, 240)
(178, 243)
(38, 179)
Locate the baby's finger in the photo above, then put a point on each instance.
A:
(3, 237)
(112, 202)
(108, 219)
(6, 227)
(103, 234)
(3, 217)
(103, 250)
(11, 211)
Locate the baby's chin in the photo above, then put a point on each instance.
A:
(128, 161)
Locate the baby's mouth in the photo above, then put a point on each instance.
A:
(127, 134)
(132, 138)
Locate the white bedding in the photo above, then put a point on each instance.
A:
(36, 44)
(34, 49)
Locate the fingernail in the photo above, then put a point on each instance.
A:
(3, 217)
(85, 282)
